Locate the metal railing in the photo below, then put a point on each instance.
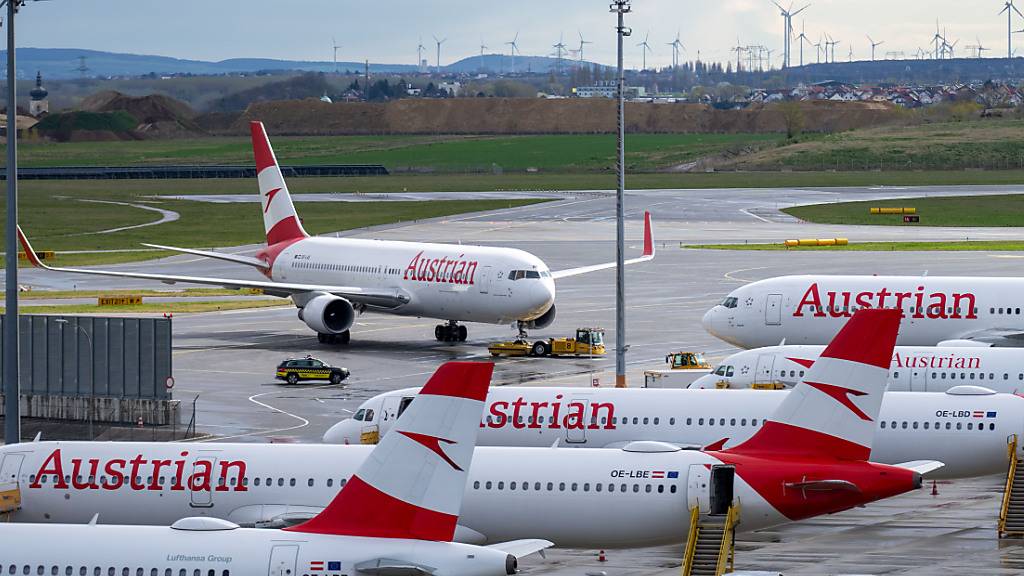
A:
(691, 541)
(727, 551)
(1004, 507)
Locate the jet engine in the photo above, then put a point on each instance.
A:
(542, 321)
(328, 314)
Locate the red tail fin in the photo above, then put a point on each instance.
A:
(411, 485)
(280, 219)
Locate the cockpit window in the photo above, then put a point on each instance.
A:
(368, 417)
(520, 274)
(359, 414)
(729, 302)
(720, 371)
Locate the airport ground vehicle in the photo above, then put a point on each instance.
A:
(587, 342)
(794, 466)
(333, 280)
(810, 309)
(382, 521)
(684, 368)
(295, 370)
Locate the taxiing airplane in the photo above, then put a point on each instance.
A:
(913, 368)
(332, 280)
(810, 458)
(810, 309)
(395, 516)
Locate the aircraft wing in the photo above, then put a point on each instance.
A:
(648, 254)
(522, 548)
(377, 298)
(237, 259)
(1003, 337)
(390, 567)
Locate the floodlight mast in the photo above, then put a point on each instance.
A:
(621, 8)
(12, 389)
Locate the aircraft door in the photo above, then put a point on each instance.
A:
(203, 479)
(576, 434)
(721, 492)
(917, 380)
(698, 486)
(282, 560)
(773, 310)
(10, 468)
(763, 372)
(485, 279)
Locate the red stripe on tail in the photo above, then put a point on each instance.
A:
(261, 147)
(362, 510)
(461, 380)
(287, 229)
(867, 338)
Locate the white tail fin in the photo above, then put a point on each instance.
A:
(832, 412)
(411, 485)
(280, 219)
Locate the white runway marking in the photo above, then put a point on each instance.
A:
(303, 421)
(166, 216)
(765, 220)
(730, 276)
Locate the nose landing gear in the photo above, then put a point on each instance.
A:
(450, 332)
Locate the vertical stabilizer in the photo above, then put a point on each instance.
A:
(280, 219)
(411, 485)
(833, 411)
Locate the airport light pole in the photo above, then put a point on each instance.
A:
(621, 8)
(12, 390)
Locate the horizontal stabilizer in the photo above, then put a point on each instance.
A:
(522, 548)
(390, 567)
(922, 466)
(247, 260)
(824, 486)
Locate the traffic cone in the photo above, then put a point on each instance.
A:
(600, 557)
(935, 488)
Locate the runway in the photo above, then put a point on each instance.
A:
(227, 359)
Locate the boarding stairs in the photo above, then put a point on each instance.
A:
(1011, 513)
(710, 545)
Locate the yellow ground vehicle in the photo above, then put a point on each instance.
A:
(588, 342)
(687, 361)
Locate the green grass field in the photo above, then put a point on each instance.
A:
(996, 210)
(558, 153)
(954, 246)
(154, 307)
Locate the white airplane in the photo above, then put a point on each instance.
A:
(809, 459)
(913, 368)
(810, 309)
(331, 280)
(966, 429)
(396, 516)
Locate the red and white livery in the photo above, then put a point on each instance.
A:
(396, 515)
(808, 459)
(332, 280)
(810, 309)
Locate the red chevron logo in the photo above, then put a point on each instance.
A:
(270, 198)
(432, 443)
(801, 361)
(842, 395)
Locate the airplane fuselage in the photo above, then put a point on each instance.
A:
(810, 309)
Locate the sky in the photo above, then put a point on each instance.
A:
(388, 31)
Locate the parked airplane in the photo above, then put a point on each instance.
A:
(810, 309)
(966, 429)
(913, 368)
(331, 280)
(396, 515)
(809, 459)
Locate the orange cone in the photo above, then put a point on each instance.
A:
(935, 488)
(600, 557)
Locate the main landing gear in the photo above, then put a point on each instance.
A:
(450, 332)
(342, 338)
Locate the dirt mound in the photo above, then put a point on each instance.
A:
(541, 116)
(156, 113)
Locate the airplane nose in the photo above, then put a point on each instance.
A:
(340, 433)
(708, 321)
(546, 295)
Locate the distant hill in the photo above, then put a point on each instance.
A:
(64, 63)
